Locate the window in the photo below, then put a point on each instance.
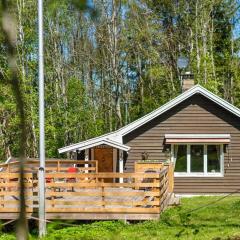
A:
(181, 158)
(198, 159)
(213, 158)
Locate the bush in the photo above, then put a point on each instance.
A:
(98, 230)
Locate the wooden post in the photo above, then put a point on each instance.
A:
(103, 197)
(135, 167)
(2, 196)
(154, 189)
(96, 171)
(58, 166)
(170, 177)
(160, 193)
(52, 201)
(96, 166)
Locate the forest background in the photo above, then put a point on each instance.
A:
(105, 71)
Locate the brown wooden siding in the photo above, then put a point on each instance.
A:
(195, 115)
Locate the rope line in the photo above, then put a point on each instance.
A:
(213, 202)
(49, 221)
(6, 223)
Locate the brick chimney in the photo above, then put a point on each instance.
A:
(187, 81)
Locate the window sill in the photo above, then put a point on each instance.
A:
(198, 175)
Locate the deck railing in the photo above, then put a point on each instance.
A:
(69, 194)
(153, 166)
(10, 191)
(60, 165)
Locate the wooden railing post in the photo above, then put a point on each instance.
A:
(2, 198)
(103, 197)
(154, 189)
(52, 201)
(96, 177)
(30, 196)
(137, 181)
(160, 192)
(170, 177)
(96, 166)
(135, 167)
(58, 166)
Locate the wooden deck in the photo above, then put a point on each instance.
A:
(92, 195)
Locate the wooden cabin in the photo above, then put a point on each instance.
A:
(197, 131)
(190, 145)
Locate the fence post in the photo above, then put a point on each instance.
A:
(154, 189)
(160, 190)
(31, 189)
(103, 197)
(170, 177)
(96, 166)
(2, 196)
(58, 166)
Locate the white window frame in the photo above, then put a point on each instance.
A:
(205, 173)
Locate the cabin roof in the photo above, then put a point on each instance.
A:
(93, 143)
(117, 135)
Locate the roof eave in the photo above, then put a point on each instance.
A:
(90, 144)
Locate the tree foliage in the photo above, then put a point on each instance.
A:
(111, 65)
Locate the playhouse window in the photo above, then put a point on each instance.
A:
(198, 159)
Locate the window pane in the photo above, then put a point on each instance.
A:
(197, 158)
(213, 158)
(181, 158)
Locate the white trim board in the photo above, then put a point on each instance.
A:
(93, 143)
(117, 136)
(197, 138)
(75, 146)
(190, 136)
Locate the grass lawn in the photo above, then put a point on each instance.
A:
(218, 221)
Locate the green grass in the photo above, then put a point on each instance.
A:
(220, 221)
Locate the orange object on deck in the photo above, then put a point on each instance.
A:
(72, 170)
